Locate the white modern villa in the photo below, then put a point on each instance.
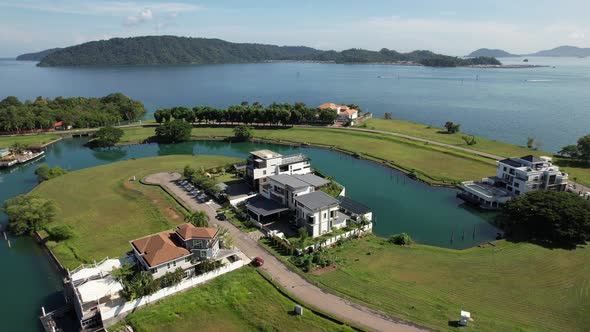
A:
(514, 177)
(286, 187)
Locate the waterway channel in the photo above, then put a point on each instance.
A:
(430, 215)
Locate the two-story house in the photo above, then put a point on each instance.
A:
(264, 163)
(514, 177)
(181, 248)
(318, 212)
(284, 188)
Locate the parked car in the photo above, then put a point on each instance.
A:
(220, 216)
(257, 262)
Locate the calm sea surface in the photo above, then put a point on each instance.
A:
(506, 104)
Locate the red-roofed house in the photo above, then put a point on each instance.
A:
(182, 248)
(343, 111)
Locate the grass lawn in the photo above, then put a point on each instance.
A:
(238, 301)
(437, 134)
(106, 209)
(511, 287)
(31, 140)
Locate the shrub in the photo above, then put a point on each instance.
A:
(61, 233)
(402, 239)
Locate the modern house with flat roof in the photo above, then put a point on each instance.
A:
(319, 212)
(514, 177)
(264, 163)
(284, 188)
(181, 248)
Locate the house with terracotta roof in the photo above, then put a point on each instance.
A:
(344, 112)
(183, 247)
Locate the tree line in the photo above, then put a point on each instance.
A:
(79, 112)
(256, 113)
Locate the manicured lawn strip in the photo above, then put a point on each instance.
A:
(239, 301)
(107, 210)
(31, 140)
(436, 134)
(510, 287)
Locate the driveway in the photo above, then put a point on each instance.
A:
(291, 281)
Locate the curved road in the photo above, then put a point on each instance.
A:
(291, 281)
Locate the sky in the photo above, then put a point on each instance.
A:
(454, 27)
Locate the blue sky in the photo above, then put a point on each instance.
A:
(450, 26)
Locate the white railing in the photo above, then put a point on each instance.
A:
(111, 315)
(331, 241)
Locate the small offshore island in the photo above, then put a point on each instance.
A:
(191, 219)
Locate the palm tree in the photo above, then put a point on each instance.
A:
(198, 219)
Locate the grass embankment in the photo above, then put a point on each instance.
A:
(238, 301)
(106, 210)
(511, 287)
(30, 140)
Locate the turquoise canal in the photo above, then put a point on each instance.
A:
(431, 215)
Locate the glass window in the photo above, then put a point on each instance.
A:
(203, 253)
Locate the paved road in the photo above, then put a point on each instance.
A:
(291, 281)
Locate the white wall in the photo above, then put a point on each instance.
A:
(112, 315)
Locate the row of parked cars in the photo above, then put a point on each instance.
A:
(199, 194)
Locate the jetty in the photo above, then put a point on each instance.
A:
(21, 158)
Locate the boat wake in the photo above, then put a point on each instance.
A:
(538, 81)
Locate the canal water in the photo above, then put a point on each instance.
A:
(430, 215)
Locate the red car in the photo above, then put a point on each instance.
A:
(258, 262)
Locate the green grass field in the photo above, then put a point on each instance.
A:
(239, 301)
(511, 287)
(106, 209)
(437, 134)
(31, 140)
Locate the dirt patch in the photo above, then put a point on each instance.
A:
(324, 270)
(172, 214)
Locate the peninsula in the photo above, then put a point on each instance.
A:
(159, 50)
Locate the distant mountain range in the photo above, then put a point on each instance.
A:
(37, 56)
(156, 50)
(561, 51)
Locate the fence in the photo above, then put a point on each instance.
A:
(112, 315)
(331, 241)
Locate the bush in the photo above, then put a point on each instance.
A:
(547, 217)
(172, 278)
(45, 173)
(452, 127)
(402, 239)
(174, 131)
(242, 133)
(27, 214)
(61, 233)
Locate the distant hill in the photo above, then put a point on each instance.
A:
(155, 50)
(487, 52)
(564, 51)
(561, 51)
(38, 56)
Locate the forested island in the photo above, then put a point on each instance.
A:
(157, 50)
(37, 56)
(78, 112)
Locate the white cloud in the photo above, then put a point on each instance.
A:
(143, 16)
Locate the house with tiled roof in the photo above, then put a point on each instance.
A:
(182, 247)
(344, 112)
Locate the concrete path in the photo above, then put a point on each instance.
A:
(291, 281)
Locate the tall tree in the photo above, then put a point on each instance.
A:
(28, 214)
(198, 219)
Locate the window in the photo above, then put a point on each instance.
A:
(509, 188)
(504, 169)
(203, 253)
(168, 265)
(516, 184)
(174, 263)
(154, 270)
(535, 186)
(325, 215)
(517, 192)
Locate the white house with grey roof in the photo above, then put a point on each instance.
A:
(285, 188)
(265, 163)
(319, 212)
(514, 177)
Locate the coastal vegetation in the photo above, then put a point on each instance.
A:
(44, 172)
(548, 217)
(104, 201)
(451, 127)
(241, 300)
(156, 50)
(173, 132)
(273, 114)
(580, 151)
(508, 286)
(105, 137)
(80, 112)
(29, 213)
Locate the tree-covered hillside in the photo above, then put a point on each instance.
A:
(16, 116)
(153, 50)
(38, 56)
